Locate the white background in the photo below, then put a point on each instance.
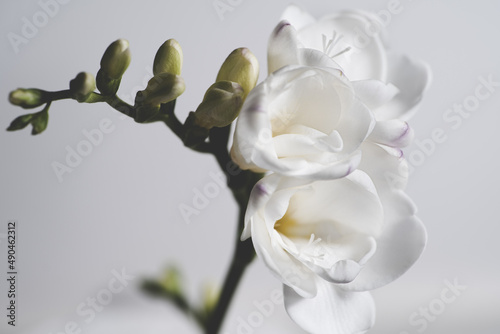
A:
(119, 207)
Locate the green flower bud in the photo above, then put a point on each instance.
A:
(163, 88)
(211, 294)
(105, 84)
(171, 282)
(82, 86)
(220, 106)
(240, 66)
(26, 98)
(40, 121)
(116, 59)
(20, 122)
(168, 58)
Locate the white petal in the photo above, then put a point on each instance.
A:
(355, 125)
(296, 95)
(366, 58)
(338, 202)
(394, 133)
(398, 248)
(294, 145)
(332, 311)
(269, 202)
(412, 78)
(302, 168)
(259, 196)
(297, 16)
(311, 57)
(282, 47)
(385, 165)
(374, 93)
(337, 260)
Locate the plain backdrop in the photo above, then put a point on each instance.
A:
(119, 208)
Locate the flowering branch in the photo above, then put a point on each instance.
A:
(206, 130)
(327, 126)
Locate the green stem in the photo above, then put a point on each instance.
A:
(118, 104)
(178, 299)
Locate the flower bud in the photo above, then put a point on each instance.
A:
(26, 98)
(240, 66)
(211, 294)
(40, 121)
(20, 122)
(171, 282)
(220, 106)
(105, 84)
(168, 58)
(116, 59)
(82, 86)
(163, 88)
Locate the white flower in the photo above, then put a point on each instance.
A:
(355, 41)
(306, 121)
(331, 241)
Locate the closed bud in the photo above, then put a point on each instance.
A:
(168, 58)
(116, 59)
(20, 122)
(171, 282)
(40, 121)
(240, 66)
(105, 84)
(220, 106)
(82, 86)
(211, 294)
(163, 88)
(27, 98)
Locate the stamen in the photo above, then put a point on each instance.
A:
(341, 52)
(329, 44)
(326, 45)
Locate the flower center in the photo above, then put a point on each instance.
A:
(302, 242)
(331, 46)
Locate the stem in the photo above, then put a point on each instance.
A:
(171, 120)
(121, 106)
(54, 96)
(178, 299)
(241, 184)
(242, 257)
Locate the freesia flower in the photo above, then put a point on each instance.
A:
(339, 239)
(329, 123)
(355, 40)
(306, 121)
